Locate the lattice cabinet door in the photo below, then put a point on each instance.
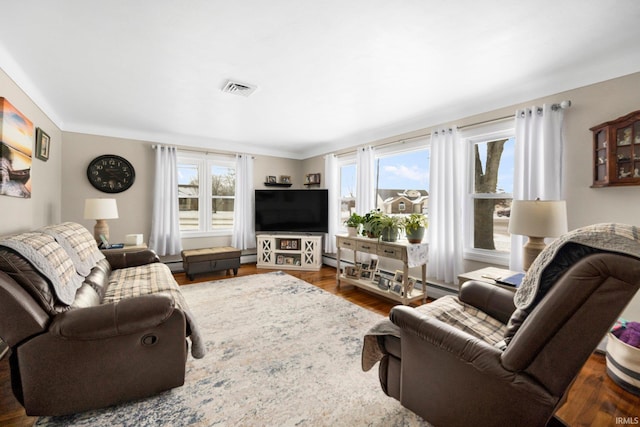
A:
(266, 252)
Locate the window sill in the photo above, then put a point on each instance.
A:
(487, 256)
(200, 234)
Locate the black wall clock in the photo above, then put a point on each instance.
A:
(110, 173)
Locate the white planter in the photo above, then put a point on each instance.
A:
(352, 231)
(623, 364)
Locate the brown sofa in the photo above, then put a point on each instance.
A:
(114, 333)
(476, 359)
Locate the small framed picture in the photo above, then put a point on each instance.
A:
(42, 145)
(365, 266)
(280, 259)
(271, 179)
(373, 264)
(384, 283)
(396, 288)
(376, 278)
(411, 284)
(285, 179)
(288, 260)
(399, 276)
(351, 271)
(365, 274)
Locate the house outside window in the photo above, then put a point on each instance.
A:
(490, 192)
(206, 194)
(402, 179)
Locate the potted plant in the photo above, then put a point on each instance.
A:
(370, 223)
(386, 226)
(414, 226)
(353, 224)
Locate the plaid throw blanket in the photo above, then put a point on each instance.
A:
(155, 278)
(448, 309)
(79, 244)
(50, 259)
(618, 238)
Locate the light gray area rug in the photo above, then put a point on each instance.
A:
(281, 352)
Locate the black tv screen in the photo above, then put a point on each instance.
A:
(302, 211)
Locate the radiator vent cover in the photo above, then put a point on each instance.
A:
(237, 88)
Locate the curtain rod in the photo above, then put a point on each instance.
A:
(559, 106)
(193, 150)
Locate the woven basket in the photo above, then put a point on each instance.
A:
(623, 364)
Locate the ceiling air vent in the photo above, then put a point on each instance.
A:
(238, 88)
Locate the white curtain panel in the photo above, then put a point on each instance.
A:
(332, 182)
(539, 162)
(446, 195)
(365, 180)
(244, 234)
(165, 221)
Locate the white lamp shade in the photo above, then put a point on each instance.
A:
(539, 218)
(100, 209)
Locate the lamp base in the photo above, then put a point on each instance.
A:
(101, 227)
(532, 248)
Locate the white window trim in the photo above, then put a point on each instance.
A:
(491, 131)
(346, 160)
(204, 163)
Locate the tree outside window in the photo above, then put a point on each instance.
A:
(492, 193)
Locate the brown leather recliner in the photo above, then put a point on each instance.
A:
(87, 355)
(453, 378)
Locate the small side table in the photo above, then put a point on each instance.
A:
(487, 275)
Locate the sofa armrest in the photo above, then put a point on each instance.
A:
(460, 344)
(131, 259)
(126, 316)
(497, 302)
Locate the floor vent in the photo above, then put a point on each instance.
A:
(238, 88)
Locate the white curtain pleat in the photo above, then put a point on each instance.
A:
(539, 162)
(446, 193)
(365, 181)
(332, 182)
(165, 221)
(244, 235)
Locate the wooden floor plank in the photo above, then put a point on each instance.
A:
(593, 400)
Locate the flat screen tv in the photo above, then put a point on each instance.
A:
(299, 211)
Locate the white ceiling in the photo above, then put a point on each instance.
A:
(330, 73)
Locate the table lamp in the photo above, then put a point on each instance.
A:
(537, 219)
(100, 210)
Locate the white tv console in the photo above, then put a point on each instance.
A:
(289, 251)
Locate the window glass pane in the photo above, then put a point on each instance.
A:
(188, 193)
(403, 182)
(493, 174)
(491, 222)
(494, 166)
(222, 213)
(223, 187)
(347, 191)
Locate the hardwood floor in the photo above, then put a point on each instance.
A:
(593, 400)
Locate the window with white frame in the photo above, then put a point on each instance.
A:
(490, 191)
(402, 179)
(347, 167)
(206, 194)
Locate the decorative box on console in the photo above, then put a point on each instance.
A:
(133, 239)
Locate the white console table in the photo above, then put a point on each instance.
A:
(410, 255)
(289, 251)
